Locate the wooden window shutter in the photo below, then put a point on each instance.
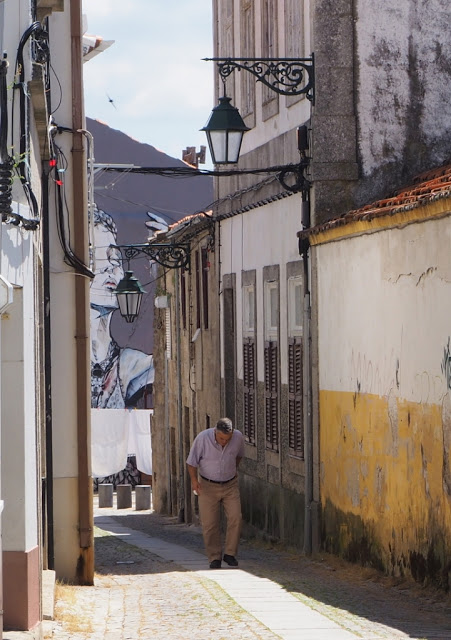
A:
(205, 269)
(198, 288)
(271, 396)
(249, 389)
(183, 280)
(295, 397)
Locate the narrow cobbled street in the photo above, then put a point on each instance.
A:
(153, 581)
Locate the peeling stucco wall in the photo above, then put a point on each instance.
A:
(382, 109)
(384, 309)
(187, 394)
(403, 90)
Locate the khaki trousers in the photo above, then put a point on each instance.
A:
(211, 497)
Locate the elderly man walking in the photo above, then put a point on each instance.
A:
(212, 465)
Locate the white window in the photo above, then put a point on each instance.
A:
(295, 306)
(271, 310)
(248, 311)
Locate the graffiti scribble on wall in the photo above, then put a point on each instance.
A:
(446, 364)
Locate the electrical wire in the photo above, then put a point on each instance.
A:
(40, 54)
(191, 172)
(59, 165)
(153, 208)
(60, 98)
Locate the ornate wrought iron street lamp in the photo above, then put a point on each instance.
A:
(129, 291)
(225, 127)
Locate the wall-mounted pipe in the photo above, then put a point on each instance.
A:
(307, 384)
(47, 374)
(85, 565)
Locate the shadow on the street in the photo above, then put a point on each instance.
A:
(324, 580)
(116, 556)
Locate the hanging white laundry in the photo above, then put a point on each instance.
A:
(139, 442)
(109, 441)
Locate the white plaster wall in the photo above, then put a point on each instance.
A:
(403, 79)
(62, 280)
(19, 462)
(263, 237)
(287, 118)
(384, 308)
(18, 414)
(19, 467)
(63, 329)
(16, 250)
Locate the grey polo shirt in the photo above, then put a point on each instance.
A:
(216, 462)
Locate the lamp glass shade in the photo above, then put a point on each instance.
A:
(225, 129)
(129, 293)
(225, 146)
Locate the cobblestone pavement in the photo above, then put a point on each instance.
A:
(140, 595)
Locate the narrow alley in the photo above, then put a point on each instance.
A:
(153, 581)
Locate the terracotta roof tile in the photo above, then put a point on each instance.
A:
(425, 188)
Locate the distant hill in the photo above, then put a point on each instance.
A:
(128, 198)
(132, 195)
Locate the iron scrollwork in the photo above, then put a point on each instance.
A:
(285, 76)
(293, 179)
(171, 256)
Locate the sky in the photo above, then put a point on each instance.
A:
(161, 89)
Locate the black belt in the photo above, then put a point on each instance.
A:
(218, 481)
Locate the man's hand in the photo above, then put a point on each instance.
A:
(195, 484)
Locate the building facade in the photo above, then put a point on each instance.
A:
(376, 115)
(187, 362)
(45, 477)
(382, 303)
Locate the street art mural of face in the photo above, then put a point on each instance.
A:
(120, 376)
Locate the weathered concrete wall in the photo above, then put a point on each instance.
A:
(403, 72)
(382, 99)
(187, 388)
(384, 309)
(160, 437)
(272, 482)
(334, 168)
(274, 511)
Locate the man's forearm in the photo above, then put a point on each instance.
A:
(193, 477)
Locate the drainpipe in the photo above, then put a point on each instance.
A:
(166, 422)
(2, 22)
(85, 565)
(47, 374)
(181, 514)
(307, 376)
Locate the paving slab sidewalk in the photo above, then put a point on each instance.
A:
(153, 581)
(266, 601)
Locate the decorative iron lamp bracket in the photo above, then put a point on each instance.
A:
(171, 256)
(298, 181)
(285, 76)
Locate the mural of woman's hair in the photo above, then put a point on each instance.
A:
(103, 219)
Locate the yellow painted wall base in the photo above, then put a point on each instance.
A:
(386, 483)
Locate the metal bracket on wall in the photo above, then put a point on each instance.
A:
(171, 256)
(285, 76)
